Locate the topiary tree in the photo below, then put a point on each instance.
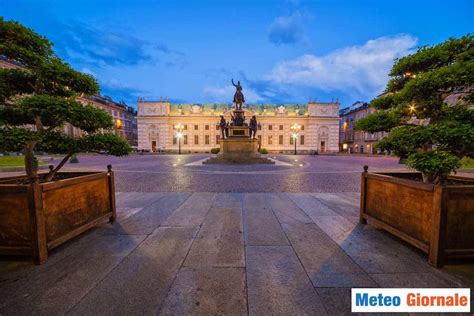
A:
(428, 108)
(38, 98)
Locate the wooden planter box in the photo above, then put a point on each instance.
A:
(35, 218)
(438, 219)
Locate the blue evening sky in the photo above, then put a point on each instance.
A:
(281, 51)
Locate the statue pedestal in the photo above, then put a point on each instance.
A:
(239, 148)
(239, 131)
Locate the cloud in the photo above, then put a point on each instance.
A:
(121, 92)
(98, 46)
(361, 69)
(288, 29)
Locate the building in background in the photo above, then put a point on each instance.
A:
(354, 141)
(124, 116)
(319, 126)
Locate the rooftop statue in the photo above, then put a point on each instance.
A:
(238, 95)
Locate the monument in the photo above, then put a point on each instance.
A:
(238, 143)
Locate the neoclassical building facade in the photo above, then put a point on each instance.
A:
(319, 126)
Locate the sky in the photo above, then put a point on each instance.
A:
(281, 51)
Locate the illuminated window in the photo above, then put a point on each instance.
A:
(270, 140)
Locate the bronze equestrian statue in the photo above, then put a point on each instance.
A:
(238, 96)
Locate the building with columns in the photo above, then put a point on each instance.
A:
(319, 126)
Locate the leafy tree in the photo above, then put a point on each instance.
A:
(431, 132)
(38, 98)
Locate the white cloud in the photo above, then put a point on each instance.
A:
(361, 68)
(288, 29)
(226, 94)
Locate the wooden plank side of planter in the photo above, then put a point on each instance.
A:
(71, 206)
(404, 208)
(460, 220)
(15, 233)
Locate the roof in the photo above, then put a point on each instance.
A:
(357, 106)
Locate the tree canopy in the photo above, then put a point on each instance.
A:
(39, 97)
(432, 132)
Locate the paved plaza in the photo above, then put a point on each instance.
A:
(281, 240)
(179, 173)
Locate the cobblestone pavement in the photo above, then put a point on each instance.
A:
(169, 173)
(186, 253)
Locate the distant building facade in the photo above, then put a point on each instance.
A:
(124, 116)
(319, 126)
(354, 141)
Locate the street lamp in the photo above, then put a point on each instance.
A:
(179, 134)
(295, 128)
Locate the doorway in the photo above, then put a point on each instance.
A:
(322, 147)
(153, 146)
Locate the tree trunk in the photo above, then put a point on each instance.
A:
(31, 164)
(51, 174)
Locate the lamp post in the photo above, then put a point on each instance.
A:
(295, 128)
(179, 134)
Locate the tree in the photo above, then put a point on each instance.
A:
(39, 97)
(428, 108)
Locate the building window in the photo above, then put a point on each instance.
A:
(280, 140)
(259, 139)
(175, 140)
(302, 140)
(281, 127)
(206, 127)
(185, 139)
(185, 127)
(206, 139)
(196, 127)
(270, 140)
(259, 127)
(217, 139)
(270, 127)
(302, 127)
(196, 139)
(217, 127)
(291, 140)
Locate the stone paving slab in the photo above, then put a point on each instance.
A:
(261, 227)
(59, 286)
(326, 264)
(207, 291)
(220, 240)
(221, 253)
(286, 210)
(278, 284)
(192, 211)
(141, 281)
(150, 217)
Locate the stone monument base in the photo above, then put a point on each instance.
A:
(239, 149)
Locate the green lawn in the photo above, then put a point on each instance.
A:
(14, 161)
(467, 162)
